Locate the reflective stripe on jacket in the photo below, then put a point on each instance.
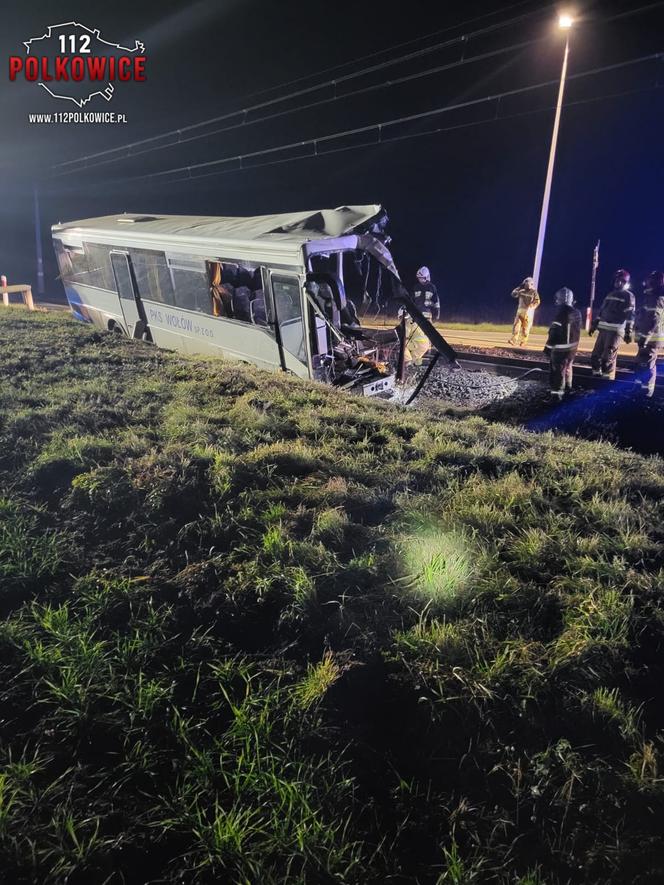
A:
(617, 312)
(565, 330)
(426, 298)
(529, 299)
(612, 327)
(650, 318)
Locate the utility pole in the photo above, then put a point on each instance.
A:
(38, 242)
(593, 281)
(565, 22)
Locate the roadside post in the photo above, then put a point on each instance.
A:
(38, 242)
(593, 282)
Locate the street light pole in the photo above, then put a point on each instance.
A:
(565, 22)
(593, 285)
(38, 241)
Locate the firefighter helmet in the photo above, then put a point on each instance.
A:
(654, 281)
(423, 275)
(564, 296)
(622, 279)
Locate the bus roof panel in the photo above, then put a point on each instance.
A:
(290, 229)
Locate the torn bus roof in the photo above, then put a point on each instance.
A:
(293, 227)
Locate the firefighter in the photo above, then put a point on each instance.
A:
(529, 300)
(425, 295)
(615, 322)
(417, 343)
(649, 331)
(563, 342)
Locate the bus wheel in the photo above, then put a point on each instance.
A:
(116, 328)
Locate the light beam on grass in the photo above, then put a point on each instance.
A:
(439, 565)
(319, 678)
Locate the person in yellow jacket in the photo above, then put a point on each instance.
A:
(529, 300)
(417, 343)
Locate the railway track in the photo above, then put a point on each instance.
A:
(537, 370)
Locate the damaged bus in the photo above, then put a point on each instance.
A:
(278, 291)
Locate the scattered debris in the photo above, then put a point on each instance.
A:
(463, 388)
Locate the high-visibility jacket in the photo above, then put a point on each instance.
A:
(417, 343)
(616, 313)
(565, 330)
(529, 299)
(650, 319)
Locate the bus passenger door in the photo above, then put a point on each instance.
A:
(289, 322)
(134, 323)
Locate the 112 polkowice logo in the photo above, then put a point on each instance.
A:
(74, 63)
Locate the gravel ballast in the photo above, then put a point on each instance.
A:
(463, 388)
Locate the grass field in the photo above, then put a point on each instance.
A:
(257, 631)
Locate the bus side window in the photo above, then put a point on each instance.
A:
(236, 292)
(287, 298)
(101, 273)
(76, 264)
(191, 289)
(152, 276)
(64, 261)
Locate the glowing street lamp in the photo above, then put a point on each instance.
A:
(565, 23)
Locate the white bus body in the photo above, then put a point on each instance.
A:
(233, 287)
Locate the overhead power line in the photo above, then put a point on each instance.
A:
(419, 53)
(542, 9)
(315, 143)
(129, 148)
(494, 118)
(411, 42)
(385, 84)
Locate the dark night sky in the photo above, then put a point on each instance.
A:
(465, 202)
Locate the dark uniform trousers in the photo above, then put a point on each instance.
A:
(605, 352)
(562, 367)
(646, 366)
